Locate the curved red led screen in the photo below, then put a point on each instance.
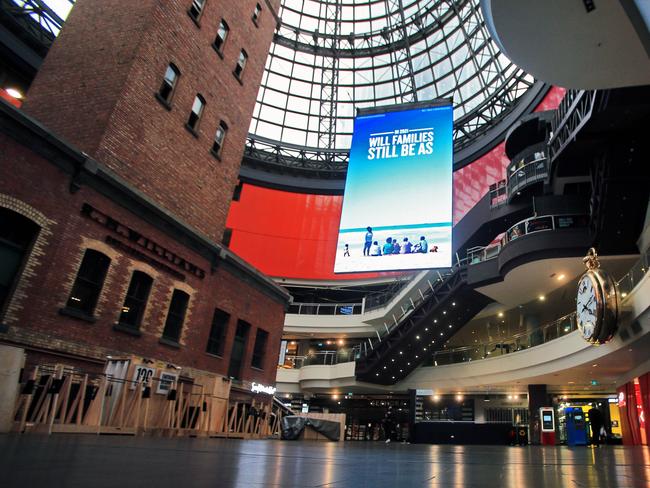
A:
(293, 235)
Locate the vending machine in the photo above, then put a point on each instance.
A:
(576, 427)
(547, 419)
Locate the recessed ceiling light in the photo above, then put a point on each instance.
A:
(542, 298)
(561, 277)
(453, 304)
(435, 321)
(623, 294)
(14, 92)
(500, 314)
(417, 337)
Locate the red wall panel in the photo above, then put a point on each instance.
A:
(293, 235)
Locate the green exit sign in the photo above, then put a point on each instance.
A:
(594, 383)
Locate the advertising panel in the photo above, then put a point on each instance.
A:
(397, 204)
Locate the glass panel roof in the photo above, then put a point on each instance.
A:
(330, 57)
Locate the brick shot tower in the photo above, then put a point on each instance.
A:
(161, 92)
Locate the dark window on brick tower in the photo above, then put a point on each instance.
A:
(227, 237)
(136, 300)
(259, 350)
(195, 114)
(218, 332)
(241, 64)
(17, 233)
(219, 139)
(196, 10)
(176, 316)
(89, 282)
(256, 13)
(222, 35)
(168, 85)
(236, 194)
(238, 349)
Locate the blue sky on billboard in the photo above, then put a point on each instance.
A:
(399, 182)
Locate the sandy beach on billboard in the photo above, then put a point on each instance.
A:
(435, 236)
(393, 262)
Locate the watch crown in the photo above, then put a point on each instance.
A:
(591, 259)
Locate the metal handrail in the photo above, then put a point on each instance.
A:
(322, 358)
(542, 223)
(517, 342)
(300, 308)
(633, 277)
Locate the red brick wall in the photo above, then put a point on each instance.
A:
(40, 191)
(96, 89)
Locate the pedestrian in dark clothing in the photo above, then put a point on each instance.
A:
(389, 424)
(597, 422)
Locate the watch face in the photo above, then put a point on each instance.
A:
(586, 307)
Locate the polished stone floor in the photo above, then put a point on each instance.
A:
(91, 461)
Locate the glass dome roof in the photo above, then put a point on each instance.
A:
(330, 57)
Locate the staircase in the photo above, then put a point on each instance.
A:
(421, 332)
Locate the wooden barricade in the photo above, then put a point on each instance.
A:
(131, 401)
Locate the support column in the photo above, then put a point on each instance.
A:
(12, 360)
(537, 397)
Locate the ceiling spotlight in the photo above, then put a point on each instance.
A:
(542, 298)
(393, 359)
(435, 321)
(15, 93)
(459, 397)
(376, 374)
(426, 329)
(515, 397)
(417, 337)
(400, 352)
(335, 397)
(436, 398)
(441, 333)
(623, 294)
(500, 314)
(450, 326)
(444, 312)
(561, 277)
(453, 304)
(509, 397)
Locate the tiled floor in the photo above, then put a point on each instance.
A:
(91, 461)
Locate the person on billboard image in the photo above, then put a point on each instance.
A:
(388, 247)
(422, 246)
(406, 246)
(396, 247)
(368, 242)
(433, 249)
(376, 250)
(346, 251)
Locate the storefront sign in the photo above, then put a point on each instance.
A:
(167, 381)
(142, 374)
(141, 241)
(259, 388)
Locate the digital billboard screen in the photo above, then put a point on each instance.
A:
(397, 204)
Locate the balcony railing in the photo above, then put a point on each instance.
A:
(499, 347)
(321, 358)
(529, 168)
(633, 277)
(326, 308)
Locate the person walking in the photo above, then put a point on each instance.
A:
(597, 422)
(389, 424)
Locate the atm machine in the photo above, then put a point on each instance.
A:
(576, 426)
(547, 419)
